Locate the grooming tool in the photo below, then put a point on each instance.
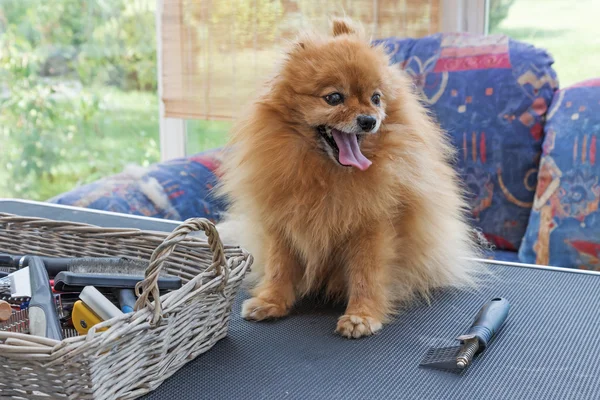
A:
(70, 332)
(15, 302)
(18, 322)
(126, 299)
(43, 318)
(60, 307)
(4, 269)
(487, 322)
(54, 265)
(73, 282)
(84, 318)
(64, 305)
(5, 311)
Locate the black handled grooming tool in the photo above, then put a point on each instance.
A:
(487, 322)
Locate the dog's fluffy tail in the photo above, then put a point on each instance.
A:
(480, 240)
(239, 231)
(229, 229)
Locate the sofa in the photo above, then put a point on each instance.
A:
(526, 151)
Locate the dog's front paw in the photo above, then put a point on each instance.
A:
(354, 326)
(256, 309)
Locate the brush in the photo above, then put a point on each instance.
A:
(487, 322)
(18, 322)
(54, 265)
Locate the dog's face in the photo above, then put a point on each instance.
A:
(339, 92)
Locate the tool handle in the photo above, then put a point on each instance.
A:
(54, 265)
(10, 261)
(98, 303)
(127, 299)
(488, 321)
(43, 318)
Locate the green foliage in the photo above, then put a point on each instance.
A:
(122, 49)
(38, 130)
(30, 106)
(205, 135)
(59, 123)
(101, 42)
(498, 12)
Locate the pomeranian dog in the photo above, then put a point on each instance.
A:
(340, 183)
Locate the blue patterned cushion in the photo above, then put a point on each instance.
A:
(176, 189)
(490, 94)
(502, 255)
(564, 228)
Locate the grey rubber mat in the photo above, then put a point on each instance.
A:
(547, 349)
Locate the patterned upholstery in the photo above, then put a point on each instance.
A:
(502, 255)
(564, 227)
(177, 190)
(490, 94)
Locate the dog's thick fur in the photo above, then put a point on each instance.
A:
(373, 238)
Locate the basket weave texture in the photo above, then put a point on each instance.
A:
(139, 350)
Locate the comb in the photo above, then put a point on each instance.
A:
(69, 333)
(488, 321)
(443, 358)
(18, 322)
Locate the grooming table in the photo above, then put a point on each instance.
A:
(547, 349)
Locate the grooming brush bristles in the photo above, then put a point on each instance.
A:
(122, 266)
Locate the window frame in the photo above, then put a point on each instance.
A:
(464, 16)
(171, 130)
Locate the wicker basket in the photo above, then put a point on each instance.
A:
(139, 350)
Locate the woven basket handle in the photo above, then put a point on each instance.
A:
(149, 286)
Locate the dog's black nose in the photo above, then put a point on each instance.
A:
(366, 122)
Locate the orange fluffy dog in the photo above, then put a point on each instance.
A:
(342, 184)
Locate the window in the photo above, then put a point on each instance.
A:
(81, 81)
(568, 30)
(77, 92)
(215, 55)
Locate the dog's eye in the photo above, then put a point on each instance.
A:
(334, 99)
(376, 99)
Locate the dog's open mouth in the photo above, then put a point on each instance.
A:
(345, 147)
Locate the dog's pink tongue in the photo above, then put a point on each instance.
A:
(349, 151)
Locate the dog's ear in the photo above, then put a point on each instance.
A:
(345, 26)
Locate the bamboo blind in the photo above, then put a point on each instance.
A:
(216, 53)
